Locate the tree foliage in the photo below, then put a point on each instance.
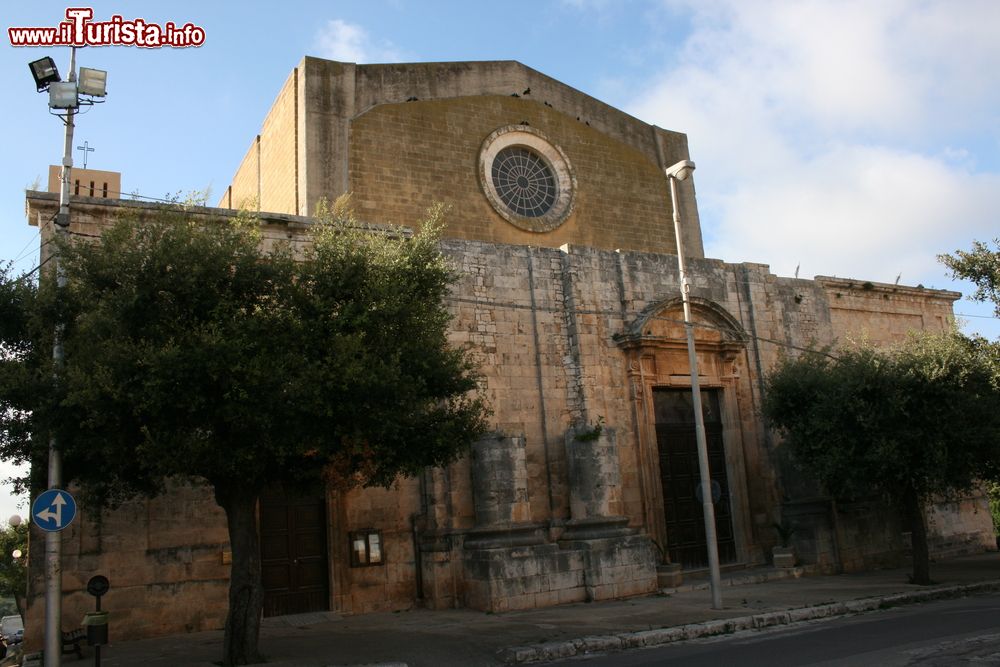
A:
(13, 572)
(981, 266)
(21, 379)
(192, 352)
(915, 422)
(994, 492)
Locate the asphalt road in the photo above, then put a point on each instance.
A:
(949, 633)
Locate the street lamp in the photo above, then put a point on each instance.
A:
(93, 82)
(65, 99)
(45, 72)
(680, 172)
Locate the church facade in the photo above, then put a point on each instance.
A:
(560, 229)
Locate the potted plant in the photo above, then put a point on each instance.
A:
(784, 552)
(668, 575)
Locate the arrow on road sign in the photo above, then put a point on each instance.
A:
(49, 515)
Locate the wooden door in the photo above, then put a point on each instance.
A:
(681, 478)
(294, 565)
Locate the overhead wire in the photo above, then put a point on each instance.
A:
(741, 335)
(512, 305)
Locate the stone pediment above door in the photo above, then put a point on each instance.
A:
(661, 325)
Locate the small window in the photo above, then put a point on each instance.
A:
(366, 548)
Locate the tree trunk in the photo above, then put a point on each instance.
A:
(246, 595)
(918, 539)
(22, 607)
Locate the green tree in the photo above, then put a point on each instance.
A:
(913, 423)
(994, 493)
(191, 353)
(13, 571)
(981, 266)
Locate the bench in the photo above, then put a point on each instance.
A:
(72, 640)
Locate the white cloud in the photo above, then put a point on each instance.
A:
(348, 42)
(842, 135)
(864, 212)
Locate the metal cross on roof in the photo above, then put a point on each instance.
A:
(86, 149)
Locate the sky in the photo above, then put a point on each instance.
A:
(840, 138)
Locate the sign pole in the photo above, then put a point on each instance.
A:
(53, 540)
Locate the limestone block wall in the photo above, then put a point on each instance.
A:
(525, 577)
(961, 526)
(268, 175)
(836, 311)
(816, 540)
(279, 156)
(845, 536)
(164, 557)
(244, 192)
(402, 137)
(618, 568)
(392, 585)
(87, 182)
(885, 313)
(588, 295)
(500, 481)
(634, 285)
(870, 536)
(567, 337)
(507, 309)
(594, 476)
(407, 156)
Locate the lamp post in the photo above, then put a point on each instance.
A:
(680, 172)
(64, 96)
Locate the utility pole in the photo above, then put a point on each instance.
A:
(53, 540)
(64, 96)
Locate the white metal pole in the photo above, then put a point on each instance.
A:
(708, 508)
(53, 539)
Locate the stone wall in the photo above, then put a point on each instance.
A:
(961, 526)
(569, 339)
(403, 137)
(403, 159)
(885, 313)
(268, 176)
(279, 156)
(166, 559)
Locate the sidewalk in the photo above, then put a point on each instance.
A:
(419, 638)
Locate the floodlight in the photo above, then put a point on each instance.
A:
(63, 95)
(45, 72)
(681, 170)
(93, 82)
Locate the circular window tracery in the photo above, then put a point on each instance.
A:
(524, 182)
(527, 179)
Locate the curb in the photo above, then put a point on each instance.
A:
(775, 574)
(628, 640)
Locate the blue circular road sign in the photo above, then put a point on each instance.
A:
(53, 510)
